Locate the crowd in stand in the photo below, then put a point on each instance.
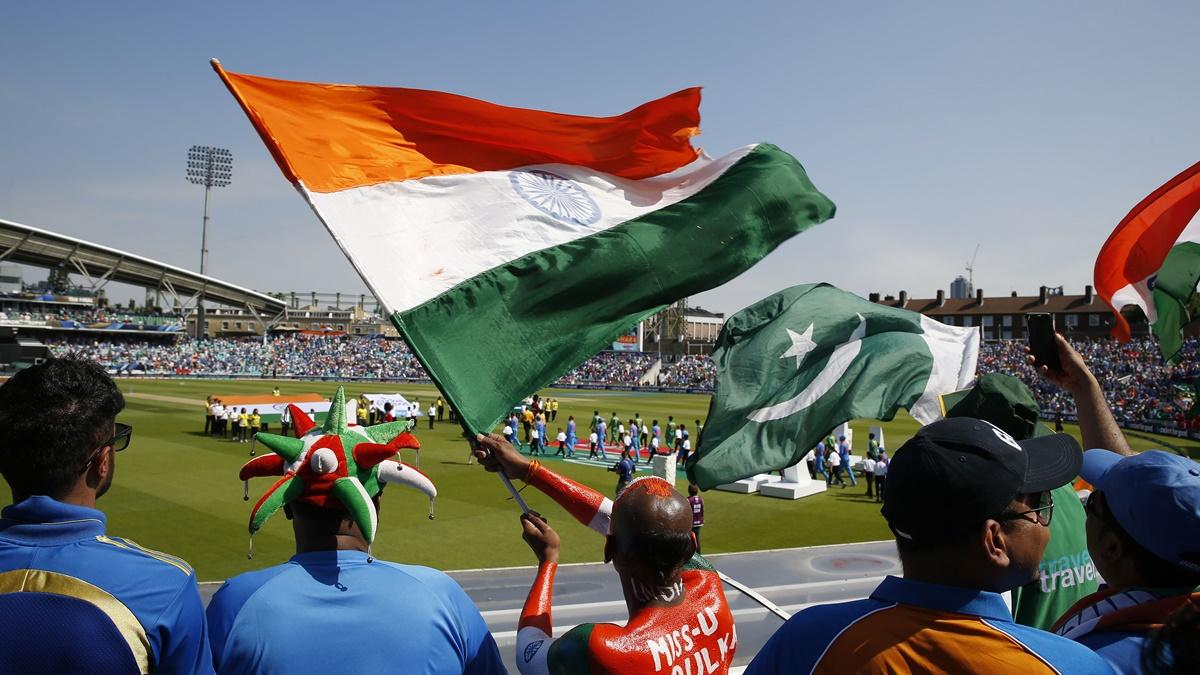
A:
(1138, 384)
(611, 368)
(91, 316)
(279, 356)
(308, 356)
(696, 372)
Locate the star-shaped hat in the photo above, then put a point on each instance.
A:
(342, 461)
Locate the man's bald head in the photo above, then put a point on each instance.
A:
(651, 534)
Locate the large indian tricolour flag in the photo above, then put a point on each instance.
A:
(509, 245)
(1152, 260)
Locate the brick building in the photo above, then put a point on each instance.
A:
(1003, 318)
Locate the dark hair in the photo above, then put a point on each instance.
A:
(945, 547)
(693, 489)
(907, 549)
(1175, 648)
(1152, 569)
(52, 416)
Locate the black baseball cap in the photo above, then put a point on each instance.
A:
(958, 472)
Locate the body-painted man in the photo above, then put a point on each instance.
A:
(679, 619)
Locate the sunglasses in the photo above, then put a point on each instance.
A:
(118, 442)
(1043, 514)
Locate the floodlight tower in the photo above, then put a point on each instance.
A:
(210, 167)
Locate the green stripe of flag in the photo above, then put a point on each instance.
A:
(510, 331)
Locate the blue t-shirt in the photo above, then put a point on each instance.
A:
(58, 568)
(625, 469)
(332, 611)
(571, 429)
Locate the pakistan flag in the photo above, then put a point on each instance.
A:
(798, 363)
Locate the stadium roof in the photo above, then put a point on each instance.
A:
(101, 264)
(1087, 303)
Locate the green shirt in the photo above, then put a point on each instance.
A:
(873, 450)
(1066, 573)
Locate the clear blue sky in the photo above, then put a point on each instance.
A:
(1029, 128)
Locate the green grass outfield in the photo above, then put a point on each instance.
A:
(177, 490)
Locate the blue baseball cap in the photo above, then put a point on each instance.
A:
(1155, 497)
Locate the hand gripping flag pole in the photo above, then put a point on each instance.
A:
(516, 495)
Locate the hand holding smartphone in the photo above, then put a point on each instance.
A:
(1042, 344)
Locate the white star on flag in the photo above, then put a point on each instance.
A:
(839, 362)
(802, 344)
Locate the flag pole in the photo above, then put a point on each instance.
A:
(513, 491)
(754, 595)
(503, 476)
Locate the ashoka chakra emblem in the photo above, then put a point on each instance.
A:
(555, 196)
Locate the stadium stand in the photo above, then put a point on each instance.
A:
(689, 371)
(624, 368)
(1139, 386)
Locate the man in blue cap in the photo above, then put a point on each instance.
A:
(1143, 531)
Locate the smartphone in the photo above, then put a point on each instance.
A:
(1041, 340)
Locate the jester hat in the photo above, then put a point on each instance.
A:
(338, 461)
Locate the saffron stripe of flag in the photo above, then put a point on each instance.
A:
(1152, 260)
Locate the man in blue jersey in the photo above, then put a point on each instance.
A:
(72, 598)
(332, 608)
(572, 436)
(843, 450)
(970, 508)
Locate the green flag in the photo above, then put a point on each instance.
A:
(796, 364)
(1175, 301)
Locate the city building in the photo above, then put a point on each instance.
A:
(960, 288)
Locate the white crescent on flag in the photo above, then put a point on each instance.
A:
(839, 362)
